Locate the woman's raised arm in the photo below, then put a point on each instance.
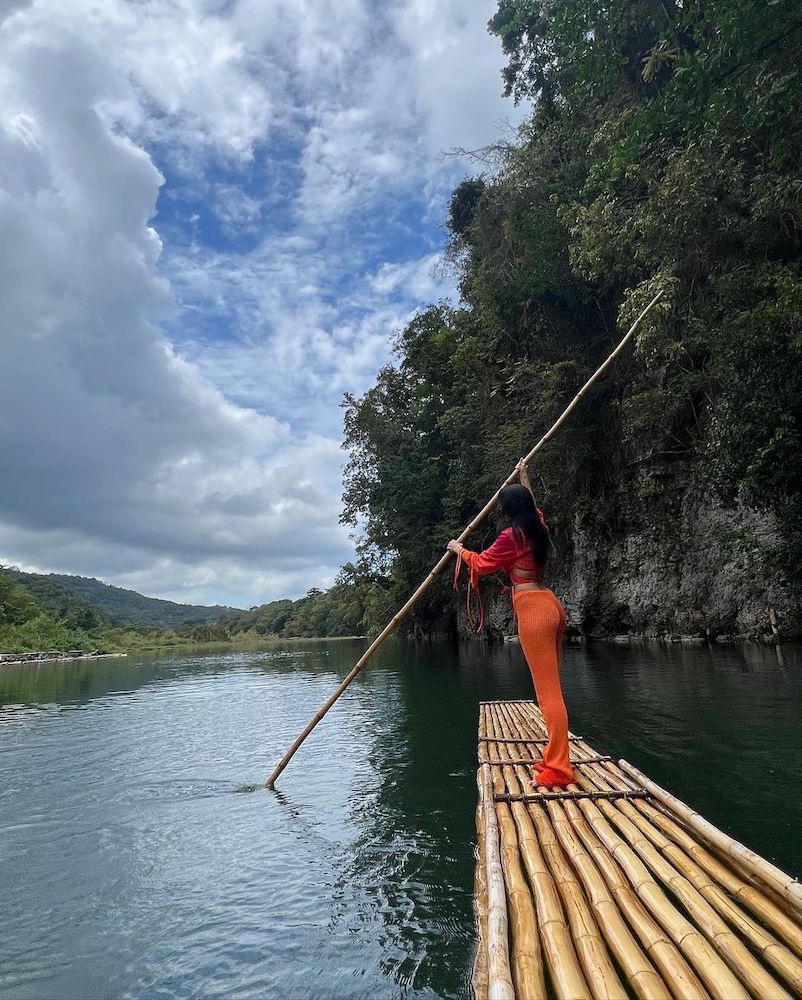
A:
(523, 476)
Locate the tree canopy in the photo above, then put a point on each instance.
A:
(662, 151)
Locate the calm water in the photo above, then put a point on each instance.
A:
(130, 868)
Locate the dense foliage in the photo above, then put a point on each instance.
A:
(37, 613)
(357, 604)
(25, 625)
(61, 602)
(662, 152)
(127, 606)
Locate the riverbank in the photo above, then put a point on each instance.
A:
(248, 642)
(55, 656)
(621, 624)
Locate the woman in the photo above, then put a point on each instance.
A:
(522, 549)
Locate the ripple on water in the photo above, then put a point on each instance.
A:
(129, 867)
(178, 790)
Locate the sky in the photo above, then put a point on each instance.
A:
(215, 215)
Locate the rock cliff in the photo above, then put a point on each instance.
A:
(665, 560)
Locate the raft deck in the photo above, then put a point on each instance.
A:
(614, 888)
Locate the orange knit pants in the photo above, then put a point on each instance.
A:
(541, 628)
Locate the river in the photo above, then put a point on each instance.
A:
(130, 865)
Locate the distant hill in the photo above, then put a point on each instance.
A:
(68, 596)
(60, 601)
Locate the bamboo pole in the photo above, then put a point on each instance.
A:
(498, 955)
(787, 888)
(479, 977)
(444, 559)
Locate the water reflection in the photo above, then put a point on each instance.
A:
(131, 868)
(82, 681)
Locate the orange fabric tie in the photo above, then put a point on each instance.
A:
(478, 624)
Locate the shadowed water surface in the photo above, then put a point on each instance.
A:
(130, 868)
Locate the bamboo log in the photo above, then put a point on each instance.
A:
(637, 863)
(674, 968)
(527, 964)
(602, 776)
(445, 558)
(527, 960)
(766, 910)
(498, 956)
(639, 971)
(656, 826)
(480, 976)
(564, 967)
(543, 796)
(772, 951)
(716, 884)
(588, 941)
(788, 889)
(600, 973)
(709, 966)
(711, 924)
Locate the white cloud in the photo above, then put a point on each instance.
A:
(208, 464)
(297, 350)
(453, 69)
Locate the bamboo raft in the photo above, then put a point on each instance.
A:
(614, 888)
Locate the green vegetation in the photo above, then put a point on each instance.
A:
(39, 613)
(24, 625)
(357, 604)
(663, 152)
(59, 601)
(45, 612)
(125, 606)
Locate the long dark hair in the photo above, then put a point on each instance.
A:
(517, 508)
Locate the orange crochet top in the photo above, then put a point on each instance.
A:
(510, 551)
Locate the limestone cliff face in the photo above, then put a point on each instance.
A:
(665, 559)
